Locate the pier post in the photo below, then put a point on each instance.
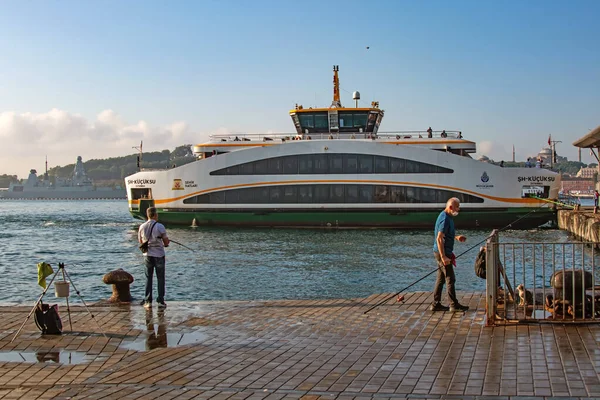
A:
(491, 277)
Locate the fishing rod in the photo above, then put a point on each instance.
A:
(181, 244)
(400, 298)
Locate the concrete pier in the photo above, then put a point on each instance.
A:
(584, 224)
(312, 349)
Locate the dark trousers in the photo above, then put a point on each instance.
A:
(444, 273)
(158, 264)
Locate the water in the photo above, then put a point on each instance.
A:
(95, 237)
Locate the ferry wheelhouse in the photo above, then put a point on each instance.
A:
(338, 170)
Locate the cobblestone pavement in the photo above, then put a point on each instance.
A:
(296, 350)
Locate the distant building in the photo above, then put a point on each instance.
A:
(577, 186)
(484, 159)
(586, 172)
(546, 155)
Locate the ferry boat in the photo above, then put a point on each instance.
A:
(338, 170)
(78, 187)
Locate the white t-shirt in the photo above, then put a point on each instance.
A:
(156, 248)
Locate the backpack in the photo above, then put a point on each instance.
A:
(47, 319)
(146, 243)
(480, 264)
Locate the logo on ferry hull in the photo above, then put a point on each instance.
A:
(485, 179)
(177, 184)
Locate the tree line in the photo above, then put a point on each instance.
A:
(112, 171)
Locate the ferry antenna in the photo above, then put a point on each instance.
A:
(139, 157)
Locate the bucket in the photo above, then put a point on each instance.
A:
(61, 289)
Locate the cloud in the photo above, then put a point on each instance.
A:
(485, 147)
(28, 138)
(495, 151)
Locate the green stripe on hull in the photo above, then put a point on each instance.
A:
(356, 219)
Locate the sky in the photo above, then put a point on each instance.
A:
(95, 78)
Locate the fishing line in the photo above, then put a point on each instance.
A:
(181, 244)
(461, 254)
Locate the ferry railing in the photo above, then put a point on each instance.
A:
(266, 137)
(541, 282)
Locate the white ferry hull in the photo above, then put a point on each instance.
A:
(491, 196)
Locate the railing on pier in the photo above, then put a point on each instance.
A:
(541, 282)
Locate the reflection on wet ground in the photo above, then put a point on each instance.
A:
(156, 339)
(52, 357)
(155, 335)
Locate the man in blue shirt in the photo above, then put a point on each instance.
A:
(443, 247)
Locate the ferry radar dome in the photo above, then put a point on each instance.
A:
(356, 95)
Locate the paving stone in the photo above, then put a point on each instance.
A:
(317, 349)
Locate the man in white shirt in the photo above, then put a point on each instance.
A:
(154, 259)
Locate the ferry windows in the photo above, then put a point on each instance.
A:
(276, 194)
(320, 164)
(336, 193)
(290, 165)
(350, 163)
(398, 194)
(136, 194)
(275, 165)
(427, 195)
(305, 164)
(334, 163)
(411, 195)
(365, 164)
(245, 196)
(247, 168)
(382, 165)
(321, 194)
(331, 193)
(261, 195)
(305, 193)
(351, 193)
(381, 194)
(217, 197)
(261, 167)
(232, 196)
(321, 121)
(397, 165)
(365, 193)
(233, 170)
(360, 120)
(307, 120)
(290, 194)
(346, 121)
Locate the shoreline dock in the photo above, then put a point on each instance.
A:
(296, 349)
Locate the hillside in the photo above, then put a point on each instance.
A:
(112, 171)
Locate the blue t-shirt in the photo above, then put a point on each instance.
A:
(444, 224)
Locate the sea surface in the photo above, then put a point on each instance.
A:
(95, 237)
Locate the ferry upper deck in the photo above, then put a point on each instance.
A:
(447, 141)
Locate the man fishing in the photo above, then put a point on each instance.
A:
(154, 258)
(443, 247)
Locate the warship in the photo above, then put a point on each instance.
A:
(78, 187)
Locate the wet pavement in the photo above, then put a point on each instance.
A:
(296, 350)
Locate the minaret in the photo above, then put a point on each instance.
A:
(513, 153)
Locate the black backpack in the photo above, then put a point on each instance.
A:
(480, 264)
(47, 319)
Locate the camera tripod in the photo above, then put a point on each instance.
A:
(65, 275)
